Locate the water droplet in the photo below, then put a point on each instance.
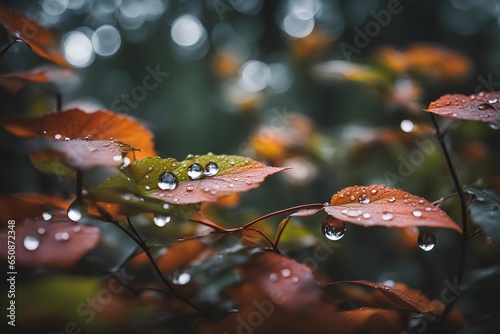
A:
(126, 162)
(61, 236)
(374, 191)
(421, 201)
(161, 221)
(211, 169)
(47, 215)
(364, 199)
(273, 277)
(195, 171)
(41, 230)
(31, 242)
(333, 228)
(147, 187)
(166, 206)
(89, 137)
(485, 106)
(231, 185)
(352, 198)
(117, 158)
(167, 181)
(58, 136)
(428, 208)
(494, 100)
(189, 156)
(181, 278)
(426, 240)
(76, 210)
(286, 272)
(391, 199)
(77, 229)
(366, 215)
(417, 213)
(189, 188)
(295, 279)
(387, 216)
(494, 126)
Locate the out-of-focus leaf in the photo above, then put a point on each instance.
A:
(56, 243)
(485, 211)
(78, 124)
(14, 82)
(234, 174)
(483, 107)
(42, 41)
(21, 206)
(486, 325)
(344, 70)
(378, 205)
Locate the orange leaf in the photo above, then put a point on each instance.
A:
(14, 82)
(57, 243)
(42, 41)
(483, 107)
(384, 206)
(78, 124)
(21, 206)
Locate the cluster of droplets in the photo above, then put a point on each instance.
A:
(33, 241)
(195, 171)
(285, 273)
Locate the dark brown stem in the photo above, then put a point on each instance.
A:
(294, 208)
(6, 48)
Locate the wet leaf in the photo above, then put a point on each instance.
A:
(42, 41)
(79, 154)
(21, 206)
(378, 205)
(56, 243)
(485, 210)
(483, 107)
(234, 174)
(78, 124)
(14, 82)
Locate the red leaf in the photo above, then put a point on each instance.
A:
(57, 243)
(384, 206)
(21, 206)
(14, 82)
(42, 41)
(483, 107)
(78, 124)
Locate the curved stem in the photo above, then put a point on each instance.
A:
(281, 228)
(463, 212)
(5, 49)
(294, 208)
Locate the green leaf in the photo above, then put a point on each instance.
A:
(484, 211)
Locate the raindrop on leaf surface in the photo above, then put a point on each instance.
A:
(387, 216)
(426, 240)
(167, 181)
(161, 221)
(181, 278)
(31, 242)
(485, 106)
(195, 171)
(76, 210)
(61, 236)
(47, 215)
(211, 169)
(364, 199)
(333, 228)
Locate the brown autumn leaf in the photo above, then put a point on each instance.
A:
(21, 206)
(14, 82)
(437, 62)
(483, 107)
(379, 205)
(169, 180)
(78, 124)
(80, 154)
(275, 288)
(42, 41)
(56, 243)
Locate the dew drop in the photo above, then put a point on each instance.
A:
(189, 188)
(195, 171)
(31, 242)
(181, 278)
(387, 216)
(57, 136)
(77, 229)
(352, 198)
(147, 187)
(89, 137)
(76, 210)
(420, 201)
(166, 206)
(485, 106)
(161, 221)
(366, 215)
(333, 228)
(426, 240)
(391, 199)
(417, 213)
(61, 236)
(374, 191)
(428, 208)
(364, 199)
(117, 158)
(211, 169)
(189, 156)
(167, 181)
(273, 277)
(295, 279)
(41, 230)
(286, 272)
(494, 126)
(47, 215)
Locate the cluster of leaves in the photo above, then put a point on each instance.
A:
(201, 275)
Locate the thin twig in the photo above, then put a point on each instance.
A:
(473, 234)
(294, 208)
(7, 47)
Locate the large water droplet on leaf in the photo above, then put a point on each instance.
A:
(181, 278)
(485, 106)
(76, 210)
(426, 240)
(391, 199)
(364, 199)
(417, 213)
(47, 215)
(195, 171)
(211, 169)
(333, 228)
(167, 181)
(31, 242)
(387, 216)
(161, 221)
